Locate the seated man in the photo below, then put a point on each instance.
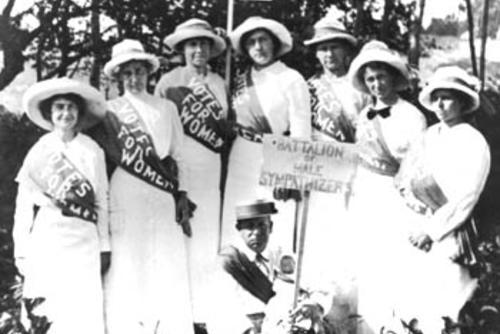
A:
(253, 291)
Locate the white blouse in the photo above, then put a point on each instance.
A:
(459, 159)
(284, 97)
(164, 125)
(88, 157)
(181, 76)
(403, 126)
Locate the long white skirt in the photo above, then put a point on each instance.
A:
(328, 263)
(242, 185)
(204, 180)
(432, 286)
(375, 212)
(63, 267)
(147, 286)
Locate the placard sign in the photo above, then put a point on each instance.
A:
(308, 165)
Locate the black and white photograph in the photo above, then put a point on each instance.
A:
(249, 167)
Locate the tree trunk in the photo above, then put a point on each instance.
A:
(360, 17)
(484, 37)
(472, 47)
(414, 37)
(386, 22)
(95, 71)
(13, 41)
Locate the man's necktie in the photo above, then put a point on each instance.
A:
(262, 263)
(384, 113)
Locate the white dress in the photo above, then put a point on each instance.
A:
(375, 208)
(284, 97)
(204, 167)
(458, 159)
(62, 254)
(147, 286)
(329, 245)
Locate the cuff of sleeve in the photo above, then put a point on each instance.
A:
(105, 245)
(434, 231)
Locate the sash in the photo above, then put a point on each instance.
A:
(66, 186)
(417, 185)
(247, 274)
(251, 120)
(327, 111)
(200, 112)
(129, 145)
(375, 154)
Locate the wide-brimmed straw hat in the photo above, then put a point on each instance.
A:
(127, 50)
(258, 22)
(195, 28)
(455, 78)
(95, 105)
(377, 51)
(328, 29)
(255, 209)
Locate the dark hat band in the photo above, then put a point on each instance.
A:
(254, 210)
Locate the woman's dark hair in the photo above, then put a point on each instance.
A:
(147, 64)
(180, 46)
(378, 65)
(462, 97)
(46, 105)
(276, 41)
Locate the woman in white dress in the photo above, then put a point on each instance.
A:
(440, 180)
(201, 99)
(269, 97)
(384, 132)
(147, 286)
(58, 245)
(335, 108)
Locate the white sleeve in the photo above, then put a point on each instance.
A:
(177, 146)
(161, 87)
(461, 172)
(23, 220)
(298, 97)
(102, 201)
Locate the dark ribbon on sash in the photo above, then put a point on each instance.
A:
(252, 123)
(129, 145)
(66, 186)
(375, 154)
(327, 111)
(247, 274)
(200, 113)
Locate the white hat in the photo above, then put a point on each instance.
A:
(95, 105)
(127, 50)
(455, 78)
(377, 51)
(328, 29)
(257, 22)
(195, 28)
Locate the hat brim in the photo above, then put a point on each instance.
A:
(95, 105)
(331, 37)
(381, 56)
(175, 40)
(276, 28)
(425, 95)
(113, 65)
